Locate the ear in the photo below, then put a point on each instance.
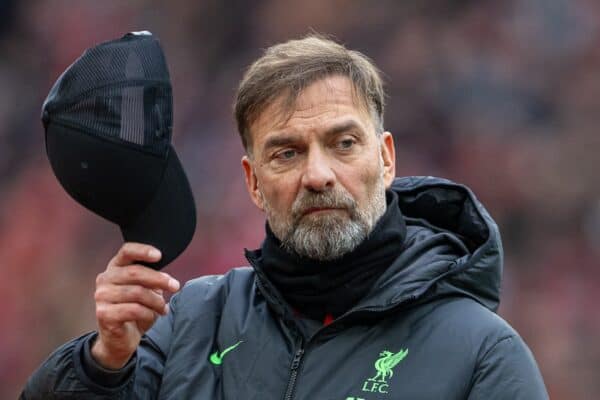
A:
(388, 154)
(252, 182)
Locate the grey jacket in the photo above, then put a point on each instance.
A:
(427, 329)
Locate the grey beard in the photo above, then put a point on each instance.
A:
(328, 237)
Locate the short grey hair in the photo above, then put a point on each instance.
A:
(289, 67)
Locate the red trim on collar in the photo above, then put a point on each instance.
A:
(328, 319)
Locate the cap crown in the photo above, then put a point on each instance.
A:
(119, 91)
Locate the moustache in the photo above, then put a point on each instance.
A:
(308, 200)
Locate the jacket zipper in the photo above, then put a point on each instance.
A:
(289, 393)
(296, 361)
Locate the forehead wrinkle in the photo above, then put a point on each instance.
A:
(323, 91)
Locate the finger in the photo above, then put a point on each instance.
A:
(138, 275)
(110, 314)
(131, 252)
(131, 294)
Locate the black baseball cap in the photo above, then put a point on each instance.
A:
(108, 122)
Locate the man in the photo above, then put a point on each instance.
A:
(366, 286)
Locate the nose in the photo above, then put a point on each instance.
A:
(318, 175)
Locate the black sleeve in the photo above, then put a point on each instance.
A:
(62, 375)
(100, 375)
(508, 371)
(71, 372)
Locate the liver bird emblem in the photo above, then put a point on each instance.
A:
(386, 363)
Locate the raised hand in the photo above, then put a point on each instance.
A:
(129, 299)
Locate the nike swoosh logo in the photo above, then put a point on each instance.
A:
(217, 359)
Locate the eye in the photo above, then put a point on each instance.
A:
(346, 144)
(287, 154)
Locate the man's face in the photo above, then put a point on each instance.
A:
(320, 175)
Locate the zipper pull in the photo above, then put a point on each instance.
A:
(297, 358)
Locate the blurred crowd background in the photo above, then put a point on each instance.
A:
(503, 96)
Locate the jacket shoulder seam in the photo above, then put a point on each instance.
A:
(502, 339)
(480, 359)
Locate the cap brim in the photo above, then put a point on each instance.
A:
(169, 221)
